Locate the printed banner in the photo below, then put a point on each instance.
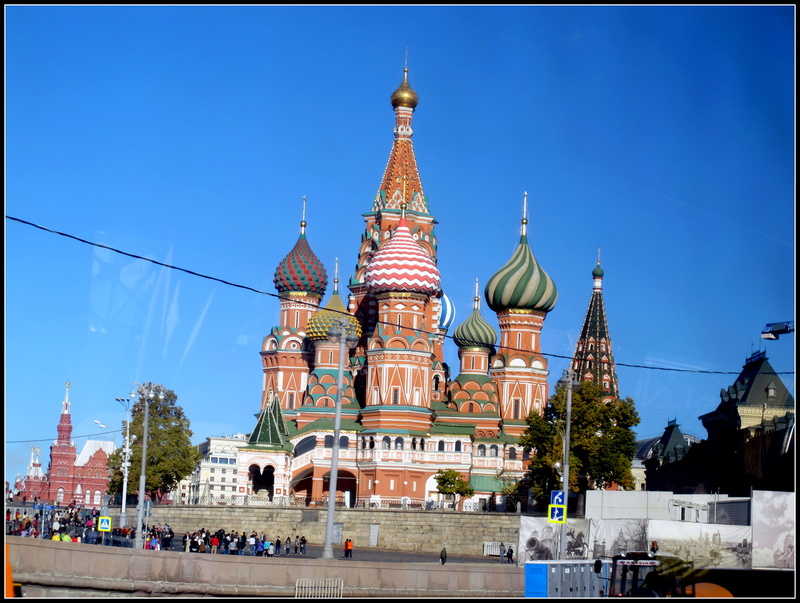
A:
(773, 519)
(706, 545)
(612, 536)
(540, 539)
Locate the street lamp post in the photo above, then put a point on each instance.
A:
(148, 397)
(339, 334)
(126, 460)
(567, 379)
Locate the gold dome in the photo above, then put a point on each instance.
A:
(404, 96)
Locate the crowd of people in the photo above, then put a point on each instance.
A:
(240, 543)
(75, 525)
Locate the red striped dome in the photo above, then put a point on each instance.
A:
(402, 265)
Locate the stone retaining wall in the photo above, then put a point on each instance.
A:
(425, 531)
(47, 563)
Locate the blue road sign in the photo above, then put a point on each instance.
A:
(557, 497)
(557, 513)
(104, 524)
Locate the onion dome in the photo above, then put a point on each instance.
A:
(401, 264)
(448, 312)
(475, 331)
(405, 96)
(301, 270)
(598, 272)
(320, 324)
(521, 284)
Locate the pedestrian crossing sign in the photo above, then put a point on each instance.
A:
(557, 513)
(104, 524)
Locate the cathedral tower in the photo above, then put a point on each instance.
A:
(593, 360)
(301, 280)
(521, 293)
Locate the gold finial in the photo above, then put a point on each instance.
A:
(477, 298)
(404, 96)
(303, 219)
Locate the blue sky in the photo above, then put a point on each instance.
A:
(189, 135)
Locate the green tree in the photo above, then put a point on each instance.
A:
(449, 481)
(170, 454)
(602, 442)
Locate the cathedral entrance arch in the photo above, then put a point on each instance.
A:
(346, 487)
(262, 480)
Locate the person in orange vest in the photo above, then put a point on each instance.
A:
(348, 549)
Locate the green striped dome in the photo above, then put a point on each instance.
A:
(324, 320)
(521, 284)
(475, 332)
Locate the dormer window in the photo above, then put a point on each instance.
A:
(771, 389)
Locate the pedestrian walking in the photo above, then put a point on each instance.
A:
(303, 542)
(443, 556)
(502, 553)
(510, 554)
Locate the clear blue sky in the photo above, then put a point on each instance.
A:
(189, 135)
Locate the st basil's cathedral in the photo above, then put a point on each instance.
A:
(403, 416)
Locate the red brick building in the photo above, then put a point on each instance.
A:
(82, 479)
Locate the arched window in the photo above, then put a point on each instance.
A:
(344, 442)
(328, 441)
(516, 408)
(436, 383)
(386, 443)
(97, 497)
(305, 445)
(363, 443)
(458, 445)
(88, 498)
(481, 450)
(470, 407)
(493, 451)
(371, 443)
(413, 443)
(290, 405)
(398, 443)
(441, 445)
(512, 454)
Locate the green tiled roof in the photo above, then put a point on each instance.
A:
(486, 483)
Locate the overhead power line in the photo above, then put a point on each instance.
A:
(253, 290)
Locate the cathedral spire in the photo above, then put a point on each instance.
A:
(593, 359)
(401, 182)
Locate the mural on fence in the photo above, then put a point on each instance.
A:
(612, 536)
(773, 519)
(539, 539)
(706, 545)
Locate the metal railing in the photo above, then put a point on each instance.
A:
(319, 588)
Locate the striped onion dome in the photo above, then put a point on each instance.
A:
(320, 324)
(401, 264)
(475, 331)
(521, 284)
(301, 270)
(448, 312)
